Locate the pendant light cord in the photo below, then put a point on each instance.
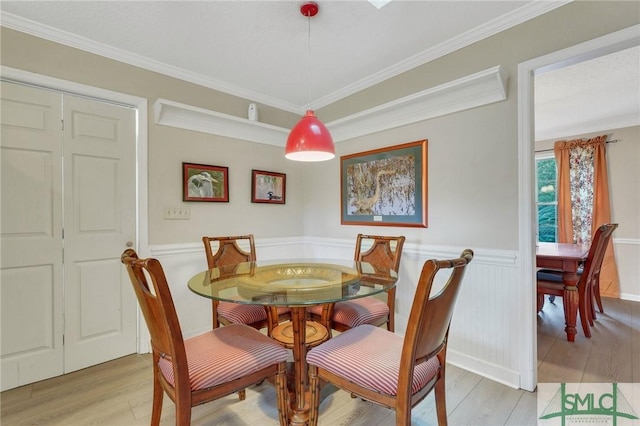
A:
(309, 61)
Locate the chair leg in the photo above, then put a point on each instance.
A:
(183, 414)
(583, 310)
(596, 293)
(242, 394)
(591, 311)
(441, 401)
(539, 302)
(158, 395)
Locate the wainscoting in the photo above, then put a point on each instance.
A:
(484, 335)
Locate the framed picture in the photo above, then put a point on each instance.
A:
(386, 186)
(201, 182)
(268, 187)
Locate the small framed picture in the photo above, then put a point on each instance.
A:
(201, 182)
(268, 187)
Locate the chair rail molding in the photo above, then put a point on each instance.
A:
(482, 88)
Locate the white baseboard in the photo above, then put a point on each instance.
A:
(630, 296)
(491, 371)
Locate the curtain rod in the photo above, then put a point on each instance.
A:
(547, 150)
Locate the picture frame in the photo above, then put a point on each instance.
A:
(385, 186)
(202, 182)
(268, 187)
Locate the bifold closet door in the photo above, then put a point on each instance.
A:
(68, 211)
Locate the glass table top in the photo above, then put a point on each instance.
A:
(291, 283)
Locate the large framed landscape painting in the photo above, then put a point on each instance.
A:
(386, 186)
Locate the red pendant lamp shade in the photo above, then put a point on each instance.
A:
(309, 140)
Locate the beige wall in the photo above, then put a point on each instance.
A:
(623, 163)
(473, 155)
(168, 147)
(473, 182)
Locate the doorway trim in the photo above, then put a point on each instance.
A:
(140, 104)
(600, 46)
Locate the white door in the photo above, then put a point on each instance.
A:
(68, 211)
(31, 285)
(99, 222)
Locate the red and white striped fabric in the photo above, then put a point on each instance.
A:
(370, 357)
(225, 354)
(242, 314)
(245, 314)
(365, 310)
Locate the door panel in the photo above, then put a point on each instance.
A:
(31, 286)
(99, 205)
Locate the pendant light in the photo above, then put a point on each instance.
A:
(309, 140)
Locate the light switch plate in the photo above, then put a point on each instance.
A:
(179, 213)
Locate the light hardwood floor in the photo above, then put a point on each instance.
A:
(119, 392)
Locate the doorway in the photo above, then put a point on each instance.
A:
(526, 73)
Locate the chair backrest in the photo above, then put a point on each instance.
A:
(151, 288)
(384, 252)
(228, 251)
(599, 244)
(430, 317)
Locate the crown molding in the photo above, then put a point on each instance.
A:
(525, 13)
(475, 90)
(55, 35)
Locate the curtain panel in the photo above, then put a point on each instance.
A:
(583, 200)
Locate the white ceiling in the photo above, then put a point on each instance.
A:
(264, 51)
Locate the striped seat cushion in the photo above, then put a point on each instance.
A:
(366, 310)
(242, 314)
(370, 357)
(225, 354)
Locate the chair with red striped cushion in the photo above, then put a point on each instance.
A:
(405, 370)
(225, 251)
(205, 367)
(382, 253)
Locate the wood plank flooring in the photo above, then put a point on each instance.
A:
(118, 393)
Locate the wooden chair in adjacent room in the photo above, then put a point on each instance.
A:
(550, 282)
(225, 251)
(382, 367)
(382, 253)
(191, 371)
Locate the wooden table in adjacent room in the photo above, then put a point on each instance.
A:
(566, 258)
(296, 284)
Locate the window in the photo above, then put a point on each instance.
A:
(546, 198)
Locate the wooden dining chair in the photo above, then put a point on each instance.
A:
(205, 367)
(393, 371)
(225, 251)
(383, 253)
(549, 282)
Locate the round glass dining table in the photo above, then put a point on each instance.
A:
(295, 284)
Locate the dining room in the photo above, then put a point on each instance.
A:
(471, 199)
